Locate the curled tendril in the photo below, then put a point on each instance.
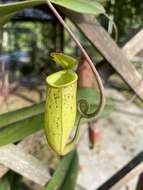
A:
(83, 108)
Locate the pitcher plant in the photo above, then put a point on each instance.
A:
(60, 111)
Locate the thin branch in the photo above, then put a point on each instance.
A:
(97, 77)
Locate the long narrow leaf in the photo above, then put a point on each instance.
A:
(10, 181)
(82, 6)
(71, 177)
(61, 172)
(8, 8)
(19, 130)
(21, 114)
(5, 19)
(4, 184)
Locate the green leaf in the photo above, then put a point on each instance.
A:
(11, 181)
(65, 61)
(61, 172)
(14, 179)
(20, 114)
(16, 125)
(4, 184)
(20, 129)
(81, 6)
(90, 94)
(5, 19)
(8, 8)
(71, 177)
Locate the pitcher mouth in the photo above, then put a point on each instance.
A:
(61, 78)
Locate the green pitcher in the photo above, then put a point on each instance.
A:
(60, 111)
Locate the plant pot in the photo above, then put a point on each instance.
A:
(60, 111)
